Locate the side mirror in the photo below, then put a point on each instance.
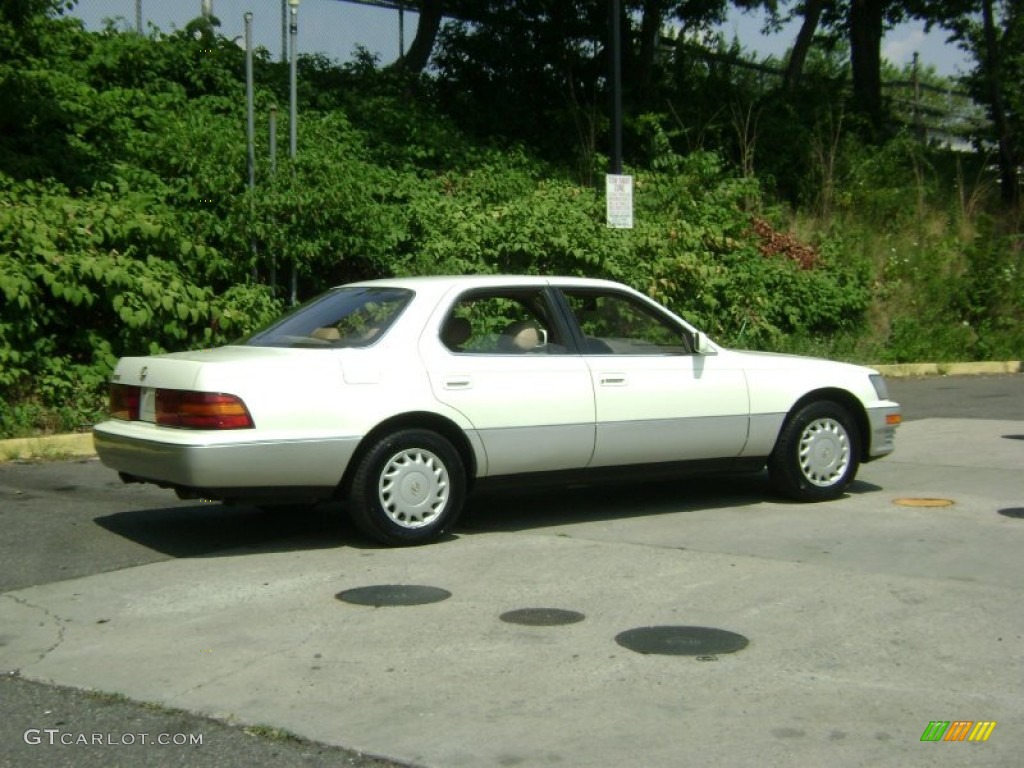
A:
(698, 342)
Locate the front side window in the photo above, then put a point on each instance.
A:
(344, 317)
(618, 324)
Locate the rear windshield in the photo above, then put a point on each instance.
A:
(343, 317)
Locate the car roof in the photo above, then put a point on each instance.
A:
(485, 281)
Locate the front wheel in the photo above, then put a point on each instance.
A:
(817, 453)
(408, 488)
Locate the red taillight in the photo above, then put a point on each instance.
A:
(201, 410)
(124, 402)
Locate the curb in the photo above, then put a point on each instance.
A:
(48, 447)
(907, 370)
(80, 444)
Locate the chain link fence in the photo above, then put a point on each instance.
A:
(333, 28)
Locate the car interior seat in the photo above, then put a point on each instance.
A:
(327, 333)
(456, 332)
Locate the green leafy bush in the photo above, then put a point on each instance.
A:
(86, 280)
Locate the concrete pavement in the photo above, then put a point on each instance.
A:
(866, 620)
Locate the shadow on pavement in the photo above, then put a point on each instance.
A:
(206, 529)
(203, 530)
(516, 509)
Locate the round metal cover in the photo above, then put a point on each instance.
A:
(393, 594)
(1017, 512)
(681, 641)
(923, 502)
(542, 617)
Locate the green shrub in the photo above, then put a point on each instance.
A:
(86, 280)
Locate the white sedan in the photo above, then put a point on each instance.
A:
(398, 396)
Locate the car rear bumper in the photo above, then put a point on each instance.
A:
(198, 460)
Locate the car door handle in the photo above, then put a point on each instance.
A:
(458, 382)
(613, 379)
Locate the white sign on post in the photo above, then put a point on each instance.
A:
(618, 192)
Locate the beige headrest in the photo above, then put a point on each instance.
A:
(520, 337)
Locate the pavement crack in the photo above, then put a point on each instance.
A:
(242, 665)
(57, 620)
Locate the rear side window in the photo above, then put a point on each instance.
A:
(513, 322)
(344, 317)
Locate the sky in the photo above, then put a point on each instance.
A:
(898, 46)
(336, 28)
(324, 26)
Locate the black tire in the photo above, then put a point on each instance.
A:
(817, 454)
(409, 488)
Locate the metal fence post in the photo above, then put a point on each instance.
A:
(273, 172)
(250, 129)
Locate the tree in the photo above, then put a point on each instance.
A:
(417, 57)
(998, 58)
(37, 95)
(812, 10)
(643, 40)
(19, 12)
(998, 80)
(538, 69)
(865, 25)
(862, 23)
(651, 21)
(532, 69)
(992, 31)
(432, 14)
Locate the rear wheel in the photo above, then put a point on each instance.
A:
(409, 488)
(817, 453)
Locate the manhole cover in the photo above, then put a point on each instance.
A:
(923, 502)
(1017, 512)
(393, 594)
(542, 617)
(681, 641)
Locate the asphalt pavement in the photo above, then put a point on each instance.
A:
(704, 622)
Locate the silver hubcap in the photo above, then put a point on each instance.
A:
(414, 488)
(824, 452)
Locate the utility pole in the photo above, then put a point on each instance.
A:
(284, 31)
(293, 127)
(615, 57)
(618, 189)
(401, 31)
